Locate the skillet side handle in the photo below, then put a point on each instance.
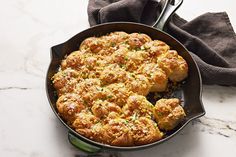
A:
(56, 51)
(167, 12)
(76, 142)
(164, 4)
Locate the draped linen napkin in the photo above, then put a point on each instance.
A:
(210, 37)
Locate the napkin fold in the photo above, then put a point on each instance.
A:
(210, 38)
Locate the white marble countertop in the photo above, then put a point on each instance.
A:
(29, 128)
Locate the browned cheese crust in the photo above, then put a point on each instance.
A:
(102, 88)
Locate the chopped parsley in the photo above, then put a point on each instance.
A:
(109, 96)
(137, 48)
(113, 44)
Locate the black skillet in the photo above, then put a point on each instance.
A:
(189, 93)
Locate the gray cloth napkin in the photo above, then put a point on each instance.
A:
(209, 38)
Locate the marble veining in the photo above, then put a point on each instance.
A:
(29, 128)
(9, 88)
(217, 126)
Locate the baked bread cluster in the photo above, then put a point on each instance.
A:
(102, 88)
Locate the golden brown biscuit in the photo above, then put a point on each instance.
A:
(168, 113)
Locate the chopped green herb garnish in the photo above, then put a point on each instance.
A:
(113, 44)
(109, 96)
(122, 65)
(137, 48)
(159, 114)
(126, 121)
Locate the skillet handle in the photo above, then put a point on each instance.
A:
(76, 142)
(166, 13)
(56, 51)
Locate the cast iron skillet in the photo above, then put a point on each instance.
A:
(189, 93)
